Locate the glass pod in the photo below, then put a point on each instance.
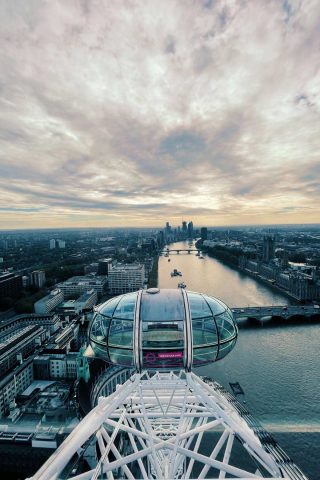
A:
(165, 329)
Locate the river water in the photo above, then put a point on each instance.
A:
(278, 368)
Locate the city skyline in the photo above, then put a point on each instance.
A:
(118, 115)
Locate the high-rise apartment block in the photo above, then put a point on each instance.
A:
(38, 278)
(126, 278)
(56, 243)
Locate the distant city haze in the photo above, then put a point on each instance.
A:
(132, 113)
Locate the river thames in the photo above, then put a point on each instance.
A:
(278, 368)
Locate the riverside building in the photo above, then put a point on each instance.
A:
(126, 278)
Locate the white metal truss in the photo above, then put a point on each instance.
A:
(168, 426)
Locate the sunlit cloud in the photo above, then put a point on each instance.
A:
(127, 113)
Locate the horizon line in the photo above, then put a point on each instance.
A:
(273, 225)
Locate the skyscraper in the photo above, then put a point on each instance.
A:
(184, 227)
(204, 233)
(167, 231)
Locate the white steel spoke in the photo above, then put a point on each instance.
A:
(150, 436)
(177, 439)
(117, 454)
(135, 449)
(214, 453)
(105, 451)
(227, 453)
(196, 448)
(101, 463)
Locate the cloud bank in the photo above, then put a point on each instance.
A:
(134, 113)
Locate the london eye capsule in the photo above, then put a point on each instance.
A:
(162, 330)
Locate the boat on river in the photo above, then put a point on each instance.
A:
(176, 273)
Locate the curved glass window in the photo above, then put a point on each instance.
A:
(100, 351)
(108, 308)
(226, 326)
(204, 331)
(202, 356)
(111, 332)
(162, 335)
(216, 306)
(120, 333)
(225, 348)
(165, 306)
(126, 307)
(99, 328)
(198, 306)
(121, 356)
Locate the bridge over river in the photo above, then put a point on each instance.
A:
(169, 251)
(275, 311)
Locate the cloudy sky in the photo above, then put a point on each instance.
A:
(132, 112)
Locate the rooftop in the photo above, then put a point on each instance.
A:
(127, 266)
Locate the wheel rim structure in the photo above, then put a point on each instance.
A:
(169, 425)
